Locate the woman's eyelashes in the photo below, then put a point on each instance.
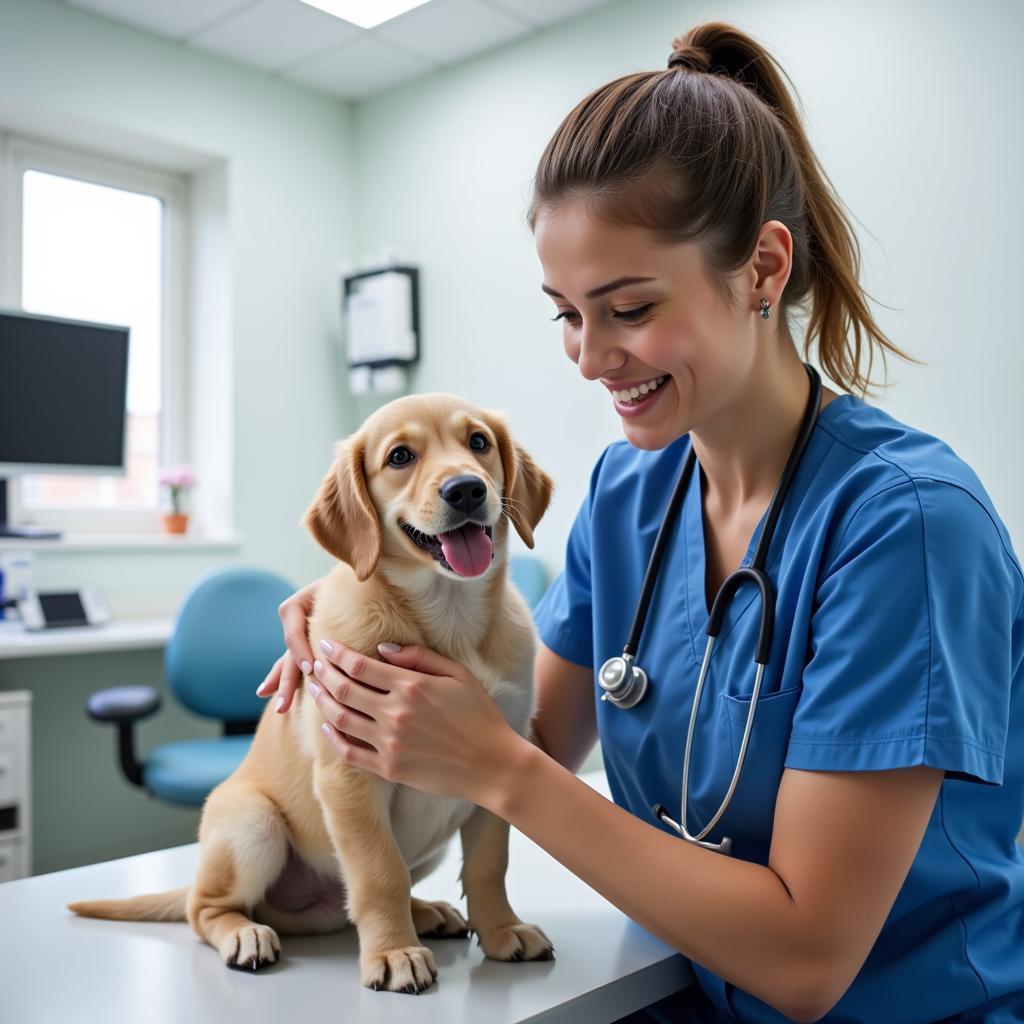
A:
(630, 316)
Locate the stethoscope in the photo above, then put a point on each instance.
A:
(625, 682)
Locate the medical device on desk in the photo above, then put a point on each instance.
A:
(625, 683)
(86, 606)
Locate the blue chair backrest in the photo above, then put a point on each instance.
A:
(528, 574)
(226, 637)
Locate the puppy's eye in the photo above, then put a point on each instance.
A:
(401, 456)
(478, 442)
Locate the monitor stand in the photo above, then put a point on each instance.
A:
(22, 532)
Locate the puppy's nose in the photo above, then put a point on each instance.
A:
(465, 493)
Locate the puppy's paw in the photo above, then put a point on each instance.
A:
(251, 947)
(436, 919)
(409, 969)
(516, 941)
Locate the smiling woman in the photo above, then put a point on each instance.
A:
(683, 222)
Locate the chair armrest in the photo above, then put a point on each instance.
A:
(124, 706)
(122, 703)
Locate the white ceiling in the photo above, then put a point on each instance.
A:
(290, 39)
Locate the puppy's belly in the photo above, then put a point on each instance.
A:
(301, 887)
(422, 822)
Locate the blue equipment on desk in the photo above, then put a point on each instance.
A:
(226, 638)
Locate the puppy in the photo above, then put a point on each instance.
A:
(416, 507)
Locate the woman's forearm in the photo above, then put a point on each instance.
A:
(734, 917)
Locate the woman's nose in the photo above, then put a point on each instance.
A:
(596, 355)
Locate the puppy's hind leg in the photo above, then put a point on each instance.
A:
(435, 919)
(244, 844)
(500, 933)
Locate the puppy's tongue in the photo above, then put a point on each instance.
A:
(467, 549)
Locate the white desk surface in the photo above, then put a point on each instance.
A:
(118, 635)
(57, 967)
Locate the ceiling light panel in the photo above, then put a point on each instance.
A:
(365, 13)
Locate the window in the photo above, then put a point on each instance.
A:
(94, 239)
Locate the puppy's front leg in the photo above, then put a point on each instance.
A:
(355, 804)
(501, 934)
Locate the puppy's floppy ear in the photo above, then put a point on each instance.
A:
(342, 517)
(527, 487)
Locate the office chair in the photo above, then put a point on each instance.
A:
(527, 573)
(225, 639)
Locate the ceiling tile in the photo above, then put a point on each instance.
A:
(177, 19)
(312, 47)
(447, 30)
(544, 12)
(356, 69)
(275, 34)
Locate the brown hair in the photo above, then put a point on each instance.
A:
(708, 150)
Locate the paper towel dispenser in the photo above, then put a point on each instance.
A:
(380, 312)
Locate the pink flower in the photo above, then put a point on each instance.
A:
(178, 478)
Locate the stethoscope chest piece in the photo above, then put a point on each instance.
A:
(624, 683)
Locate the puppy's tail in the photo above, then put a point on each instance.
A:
(157, 906)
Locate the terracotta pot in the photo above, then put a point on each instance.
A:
(175, 523)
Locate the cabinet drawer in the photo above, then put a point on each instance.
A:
(12, 861)
(8, 784)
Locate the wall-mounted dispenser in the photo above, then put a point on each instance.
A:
(380, 312)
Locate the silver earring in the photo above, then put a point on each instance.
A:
(764, 308)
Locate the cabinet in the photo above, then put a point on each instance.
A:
(15, 785)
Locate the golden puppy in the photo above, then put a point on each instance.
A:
(416, 506)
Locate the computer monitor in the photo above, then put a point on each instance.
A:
(63, 391)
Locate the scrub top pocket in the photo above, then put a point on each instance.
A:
(752, 810)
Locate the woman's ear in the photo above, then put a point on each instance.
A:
(342, 517)
(527, 487)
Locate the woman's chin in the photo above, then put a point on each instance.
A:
(651, 433)
(649, 437)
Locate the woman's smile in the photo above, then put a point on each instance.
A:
(636, 401)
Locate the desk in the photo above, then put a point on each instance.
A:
(58, 967)
(118, 635)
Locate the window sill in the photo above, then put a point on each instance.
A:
(71, 541)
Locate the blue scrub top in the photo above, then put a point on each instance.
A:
(898, 641)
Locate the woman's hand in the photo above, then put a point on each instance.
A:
(286, 673)
(422, 719)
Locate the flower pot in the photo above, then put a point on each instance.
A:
(175, 522)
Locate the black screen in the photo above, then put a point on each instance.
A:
(63, 387)
(63, 609)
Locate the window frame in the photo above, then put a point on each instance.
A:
(20, 153)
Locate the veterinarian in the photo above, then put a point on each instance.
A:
(681, 219)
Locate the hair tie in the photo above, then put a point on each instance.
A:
(691, 58)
